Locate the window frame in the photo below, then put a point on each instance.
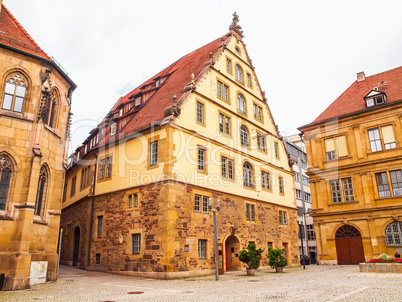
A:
(281, 185)
(99, 226)
(276, 150)
(202, 163)
(266, 181)
(262, 142)
(229, 66)
(380, 139)
(335, 154)
(199, 114)
(136, 243)
(258, 112)
(225, 166)
(244, 136)
(393, 234)
(16, 77)
(225, 123)
(338, 191)
(153, 153)
(223, 91)
(248, 180)
(239, 74)
(240, 96)
(202, 249)
(249, 80)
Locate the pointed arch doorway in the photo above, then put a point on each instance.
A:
(76, 246)
(349, 245)
(232, 249)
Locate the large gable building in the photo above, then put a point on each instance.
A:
(35, 102)
(198, 133)
(355, 168)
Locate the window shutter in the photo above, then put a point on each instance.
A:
(388, 134)
(329, 145)
(342, 148)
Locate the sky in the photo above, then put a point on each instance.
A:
(305, 53)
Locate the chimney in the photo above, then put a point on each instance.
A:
(360, 76)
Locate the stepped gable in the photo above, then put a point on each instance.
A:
(179, 75)
(13, 34)
(352, 99)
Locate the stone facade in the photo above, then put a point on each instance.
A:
(33, 150)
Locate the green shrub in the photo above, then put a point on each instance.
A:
(251, 256)
(277, 258)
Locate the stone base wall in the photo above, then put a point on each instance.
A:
(387, 268)
(170, 230)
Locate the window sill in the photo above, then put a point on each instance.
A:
(40, 220)
(104, 179)
(52, 130)
(388, 198)
(152, 167)
(343, 203)
(382, 151)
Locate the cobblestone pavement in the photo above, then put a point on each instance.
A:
(316, 283)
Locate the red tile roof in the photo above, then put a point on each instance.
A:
(351, 100)
(13, 34)
(179, 75)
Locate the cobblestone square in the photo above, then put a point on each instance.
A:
(316, 283)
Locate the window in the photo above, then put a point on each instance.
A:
(395, 177)
(283, 217)
(73, 183)
(97, 258)
(100, 226)
(310, 232)
(258, 112)
(307, 196)
(297, 177)
(109, 167)
(202, 159)
(280, 182)
(200, 113)
(130, 201)
(298, 194)
(153, 159)
(303, 164)
(227, 167)
(305, 180)
(393, 233)
(250, 212)
(269, 245)
(132, 197)
(249, 80)
(261, 143)
(229, 65)
(223, 91)
(266, 180)
(374, 97)
(201, 202)
(202, 249)
(135, 200)
(136, 240)
(224, 124)
(239, 74)
(241, 104)
(347, 187)
(85, 177)
(14, 93)
(396, 182)
(247, 176)
(51, 104)
(102, 168)
(276, 150)
(41, 192)
(113, 127)
(6, 170)
(383, 139)
(336, 147)
(244, 136)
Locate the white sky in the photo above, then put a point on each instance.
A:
(306, 53)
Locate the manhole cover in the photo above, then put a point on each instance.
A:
(135, 293)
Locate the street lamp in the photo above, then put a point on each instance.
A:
(215, 235)
(301, 231)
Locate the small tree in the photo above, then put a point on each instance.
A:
(277, 258)
(251, 256)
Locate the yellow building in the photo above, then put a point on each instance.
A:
(354, 154)
(198, 133)
(34, 117)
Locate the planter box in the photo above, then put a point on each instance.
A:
(387, 268)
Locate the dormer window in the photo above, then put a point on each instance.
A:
(375, 97)
(157, 83)
(113, 128)
(121, 112)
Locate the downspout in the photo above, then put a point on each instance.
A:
(92, 213)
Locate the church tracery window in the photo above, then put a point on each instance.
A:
(14, 92)
(41, 192)
(6, 171)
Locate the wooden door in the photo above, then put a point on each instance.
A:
(76, 245)
(349, 245)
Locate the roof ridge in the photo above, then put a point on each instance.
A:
(25, 32)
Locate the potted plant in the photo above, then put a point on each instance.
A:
(251, 257)
(277, 259)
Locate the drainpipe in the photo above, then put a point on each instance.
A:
(92, 214)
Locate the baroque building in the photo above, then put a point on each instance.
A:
(199, 134)
(297, 152)
(35, 96)
(354, 154)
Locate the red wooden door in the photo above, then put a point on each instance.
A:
(349, 245)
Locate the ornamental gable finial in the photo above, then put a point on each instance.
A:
(235, 27)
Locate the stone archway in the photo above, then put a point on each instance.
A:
(349, 245)
(232, 249)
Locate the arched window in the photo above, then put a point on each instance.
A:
(244, 136)
(241, 103)
(41, 193)
(51, 106)
(239, 74)
(393, 233)
(14, 92)
(247, 175)
(6, 171)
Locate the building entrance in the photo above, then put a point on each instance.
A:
(76, 245)
(232, 249)
(349, 245)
